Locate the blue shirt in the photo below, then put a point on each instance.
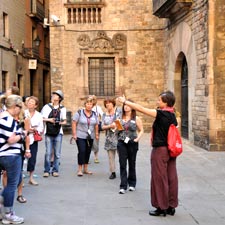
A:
(84, 123)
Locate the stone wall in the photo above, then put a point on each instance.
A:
(198, 21)
(189, 36)
(200, 36)
(217, 76)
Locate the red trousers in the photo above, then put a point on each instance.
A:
(164, 181)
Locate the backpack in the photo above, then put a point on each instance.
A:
(53, 129)
(93, 113)
(174, 141)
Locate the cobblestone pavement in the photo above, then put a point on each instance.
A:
(94, 199)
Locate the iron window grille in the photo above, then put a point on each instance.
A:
(101, 76)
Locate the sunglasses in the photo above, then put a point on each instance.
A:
(19, 106)
(72, 141)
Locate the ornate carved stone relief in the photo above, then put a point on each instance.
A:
(103, 44)
(120, 42)
(83, 40)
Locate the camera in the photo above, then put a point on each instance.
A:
(88, 137)
(55, 18)
(57, 120)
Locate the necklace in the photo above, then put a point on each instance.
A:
(126, 118)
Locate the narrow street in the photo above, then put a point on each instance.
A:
(94, 199)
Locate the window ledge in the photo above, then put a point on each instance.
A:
(84, 4)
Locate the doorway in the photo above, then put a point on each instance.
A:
(184, 98)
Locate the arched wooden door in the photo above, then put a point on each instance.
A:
(184, 99)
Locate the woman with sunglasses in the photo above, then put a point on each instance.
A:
(36, 124)
(11, 142)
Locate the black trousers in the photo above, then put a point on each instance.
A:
(32, 160)
(84, 150)
(127, 153)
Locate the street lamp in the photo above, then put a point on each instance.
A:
(37, 41)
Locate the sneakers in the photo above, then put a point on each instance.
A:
(122, 191)
(11, 218)
(55, 174)
(131, 188)
(46, 174)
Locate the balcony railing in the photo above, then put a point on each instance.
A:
(170, 8)
(31, 52)
(47, 54)
(84, 12)
(37, 10)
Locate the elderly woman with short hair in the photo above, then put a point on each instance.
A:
(84, 130)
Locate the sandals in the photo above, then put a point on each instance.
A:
(79, 174)
(88, 172)
(21, 199)
(33, 182)
(96, 161)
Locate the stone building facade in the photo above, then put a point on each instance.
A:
(24, 48)
(11, 34)
(195, 64)
(153, 45)
(135, 45)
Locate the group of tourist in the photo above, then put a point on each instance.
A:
(123, 130)
(85, 130)
(19, 121)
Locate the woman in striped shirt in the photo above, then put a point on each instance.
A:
(11, 140)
